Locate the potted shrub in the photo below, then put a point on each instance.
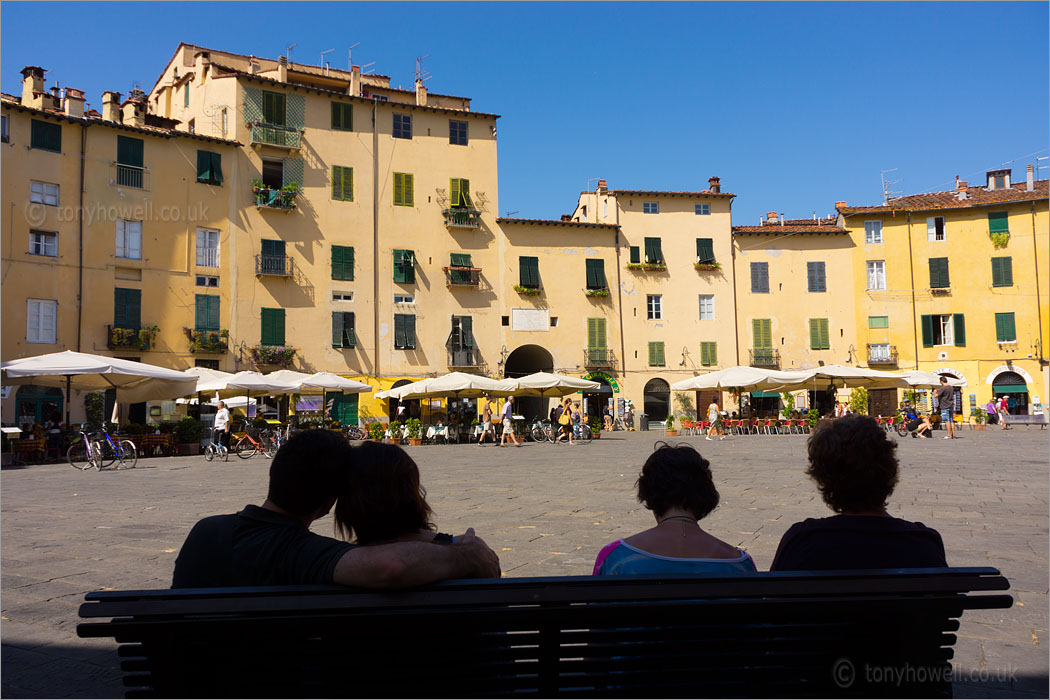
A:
(414, 426)
(812, 418)
(603, 292)
(376, 430)
(669, 428)
(596, 427)
(527, 291)
(188, 435)
(395, 433)
(980, 419)
(707, 266)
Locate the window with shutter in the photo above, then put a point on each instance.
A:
(596, 274)
(1005, 330)
(129, 151)
(656, 354)
(761, 330)
(959, 330)
(404, 266)
(272, 327)
(1002, 272)
(342, 183)
(759, 278)
(819, 338)
(127, 308)
(459, 189)
(708, 354)
(206, 317)
(209, 168)
(342, 116)
(653, 252)
(404, 195)
(343, 334)
(636, 255)
(45, 136)
(596, 334)
(935, 228)
(529, 272)
(342, 263)
(815, 277)
(927, 330)
(274, 108)
(705, 250)
(402, 126)
(998, 222)
(939, 273)
(878, 321)
(404, 331)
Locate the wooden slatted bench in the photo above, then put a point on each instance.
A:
(1034, 419)
(784, 634)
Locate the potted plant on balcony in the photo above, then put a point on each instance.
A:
(288, 194)
(413, 425)
(376, 430)
(527, 291)
(272, 355)
(705, 266)
(188, 435)
(1000, 238)
(669, 428)
(395, 433)
(634, 266)
(654, 266)
(603, 292)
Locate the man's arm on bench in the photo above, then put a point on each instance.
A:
(406, 564)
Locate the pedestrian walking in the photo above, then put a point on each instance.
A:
(1004, 411)
(508, 423)
(486, 421)
(714, 417)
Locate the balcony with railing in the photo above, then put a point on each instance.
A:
(879, 354)
(118, 338)
(598, 357)
(462, 218)
(216, 342)
(464, 358)
(765, 357)
(460, 276)
(274, 265)
(207, 257)
(130, 176)
(279, 136)
(279, 198)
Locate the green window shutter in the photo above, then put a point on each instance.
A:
(815, 277)
(410, 330)
(337, 182)
(705, 250)
(295, 111)
(759, 278)
(814, 334)
(998, 222)
(120, 308)
(272, 331)
(959, 329)
(761, 331)
(274, 108)
(529, 271)
(595, 274)
(1002, 272)
(200, 320)
(1005, 330)
(46, 136)
(186, 94)
(342, 183)
(398, 190)
(129, 151)
(213, 313)
(939, 273)
(636, 255)
(652, 354)
(708, 354)
(350, 328)
(216, 168)
(409, 193)
(596, 334)
(203, 166)
(404, 270)
(825, 339)
(273, 248)
(460, 260)
(454, 191)
(653, 253)
(403, 190)
(656, 354)
(127, 308)
(342, 116)
(466, 324)
(337, 316)
(342, 263)
(927, 331)
(266, 327)
(278, 326)
(713, 353)
(399, 330)
(253, 104)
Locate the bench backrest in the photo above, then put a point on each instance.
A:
(772, 634)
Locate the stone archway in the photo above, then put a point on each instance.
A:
(657, 399)
(1011, 385)
(525, 360)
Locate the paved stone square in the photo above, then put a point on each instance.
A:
(546, 509)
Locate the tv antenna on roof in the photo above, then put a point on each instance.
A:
(420, 73)
(366, 72)
(350, 56)
(288, 53)
(1040, 167)
(322, 57)
(886, 191)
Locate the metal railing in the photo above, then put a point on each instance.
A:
(598, 357)
(118, 337)
(462, 218)
(275, 198)
(275, 265)
(882, 354)
(280, 136)
(214, 342)
(464, 357)
(129, 176)
(765, 357)
(462, 276)
(207, 257)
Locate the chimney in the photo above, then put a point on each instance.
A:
(781, 218)
(253, 65)
(354, 89)
(32, 85)
(111, 106)
(771, 216)
(421, 93)
(134, 108)
(55, 100)
(1003, 176)
(1029, 177)
(960, 185)
(840, 205)
(566, 217)
(602, 187)
(282, 69)
(716, 184)
(74, 104)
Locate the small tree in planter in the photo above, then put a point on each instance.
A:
(858, 401)
(395, 432)
(188, 435)
(812, 418)
(414, 426)
(980, 418)
(596, 427)
(375, 431)
(669, 428)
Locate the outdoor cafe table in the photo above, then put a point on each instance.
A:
(152, 445)
(28, 447)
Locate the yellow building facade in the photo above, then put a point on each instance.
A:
(955, 283)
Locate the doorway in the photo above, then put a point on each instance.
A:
(37, 404)
(596, 401)
(525, 360)
(656, 399)
(1013, 387)
(411, 405)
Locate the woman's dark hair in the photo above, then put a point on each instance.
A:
(853, 462)
(306, 472)
(381, 497)
(677, 476)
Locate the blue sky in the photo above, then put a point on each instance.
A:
(794, 105)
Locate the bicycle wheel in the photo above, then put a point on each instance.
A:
(129, 454)
(901, 427)
(586, 434)
(245, 448)
(107, 455)
(78, 456)
(537, 434)
(269, 446)
(209, 453)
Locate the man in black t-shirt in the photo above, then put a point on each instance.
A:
(272, 544)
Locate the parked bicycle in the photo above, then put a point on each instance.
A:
(246, 446)
(541, 430)
(354, 432)
(582, 432)
(216, 449)
(98, 450)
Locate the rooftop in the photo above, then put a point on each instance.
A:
(960, 198)
(668, 193)
(556, 222)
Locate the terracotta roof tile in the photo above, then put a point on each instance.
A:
(669, 193)
(556, 222)
(975, 197)
(790, 226)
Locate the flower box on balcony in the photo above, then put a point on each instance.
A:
(528, 291)
(215, 342)
(603, 292)
(275, 355)
(634, 266)
(462, 218)
(282, 198)
(707, 266)
(654, 267)
(135, 338)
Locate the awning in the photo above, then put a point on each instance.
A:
(1010, 389)
(764, 395)
(603, 389)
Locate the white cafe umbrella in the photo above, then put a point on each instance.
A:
(919, 378)
(740, 377)
(847, 377)
(326, 382)
(134, 381)
(546, 384)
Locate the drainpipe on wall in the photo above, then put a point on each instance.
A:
(80, 240)
(911, 271)
(375, 233)
(619, 296)
(732, 279)
(1038, 296)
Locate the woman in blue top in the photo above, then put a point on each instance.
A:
(676, 485)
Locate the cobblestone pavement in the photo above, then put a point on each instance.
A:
(546, 509)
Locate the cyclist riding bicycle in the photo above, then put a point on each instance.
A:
(221, 426)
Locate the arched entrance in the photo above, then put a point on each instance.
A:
(526, 360)
(956, 394)
(36, 404)
(596, 401)
(656, 399)
(411, 405)
(1013, 387)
